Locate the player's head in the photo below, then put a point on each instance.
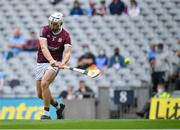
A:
(55, 21)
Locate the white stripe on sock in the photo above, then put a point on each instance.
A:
(46, 113)
(58, 106)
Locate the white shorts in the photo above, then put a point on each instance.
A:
(41, 68)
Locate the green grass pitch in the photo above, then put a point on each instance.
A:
(90, 124)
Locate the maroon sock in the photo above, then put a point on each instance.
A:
(46, 108)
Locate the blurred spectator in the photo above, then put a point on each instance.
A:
(161, 67)
(84, 91)
(32, 44)
(87, 59)
(54, 2)
(16, 43)
(81, 63)
(178, 40)
(93, 9)
(117, 60)
(76, 10)
(89, 7)
(117, 7)
(161, 93)
(102, 60)
(177, 80)
(68, 93)
(102, 9)
(134, 9)
(14, 82)
(152, 53)
(2, 77)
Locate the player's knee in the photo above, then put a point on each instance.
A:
(44, 84)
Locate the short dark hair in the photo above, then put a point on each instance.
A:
(135, 2)
(76, 1)
(160, 46)
(116, 49)
(32, 32)
(81, 81)
(103, 1)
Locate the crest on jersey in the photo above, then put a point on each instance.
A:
(60, 40)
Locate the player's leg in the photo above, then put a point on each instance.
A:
(59, 107)
(47, 78)
(40, 73)
(39, 93)
(38, 89)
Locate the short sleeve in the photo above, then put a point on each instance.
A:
(43, 32)
(67, 40)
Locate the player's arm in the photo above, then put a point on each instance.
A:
(66, 54)
(45, 50)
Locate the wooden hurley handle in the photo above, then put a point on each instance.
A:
(75, 69)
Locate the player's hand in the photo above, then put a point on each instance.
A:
(61, 65)
(53, 63)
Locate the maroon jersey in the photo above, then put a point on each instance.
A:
(55, 44)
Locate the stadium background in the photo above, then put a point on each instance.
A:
(158, 22)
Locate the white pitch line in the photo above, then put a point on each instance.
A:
(89, 129)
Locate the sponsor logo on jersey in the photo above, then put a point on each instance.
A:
(60, 40)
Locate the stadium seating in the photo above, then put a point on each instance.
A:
(176, 94)
(158, 21)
